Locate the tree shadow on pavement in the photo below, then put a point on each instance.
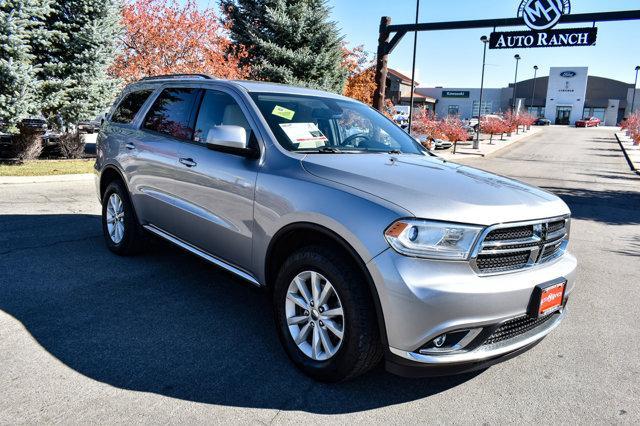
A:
(633, 248)
(607, 206)
(165, 322)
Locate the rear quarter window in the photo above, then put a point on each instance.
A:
(129, 106)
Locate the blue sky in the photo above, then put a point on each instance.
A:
(454, 58)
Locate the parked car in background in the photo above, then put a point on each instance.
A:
(435, 143)
(401, 115)
(473, 122)
(37, 123)
(442, 144)
(588, 122)
(91, 126)
(369, 246)
(542, 122)
(471, 133)
(88, 126)
(5, 141)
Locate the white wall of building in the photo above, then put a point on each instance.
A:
(611, 114)
(566, 91)
(492, 98)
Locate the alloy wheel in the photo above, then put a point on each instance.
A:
(115, 218)
(314, 314)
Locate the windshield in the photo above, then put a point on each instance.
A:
(314, 124)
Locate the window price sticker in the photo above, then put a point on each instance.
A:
(305, 135)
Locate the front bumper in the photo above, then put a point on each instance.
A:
(421, 299)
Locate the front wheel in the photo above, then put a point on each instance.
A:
(325, 316)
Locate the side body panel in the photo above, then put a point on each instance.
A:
(290, 195)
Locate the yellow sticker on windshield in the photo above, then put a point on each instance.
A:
(283, 112)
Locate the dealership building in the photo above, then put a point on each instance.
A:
(567, 94)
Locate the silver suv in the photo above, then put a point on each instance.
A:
(370, 246)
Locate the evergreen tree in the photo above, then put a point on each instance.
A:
(74, 55)
(289, 41)
(20, 20)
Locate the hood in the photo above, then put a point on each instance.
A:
(432, 188)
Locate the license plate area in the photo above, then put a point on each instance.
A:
(547, 298)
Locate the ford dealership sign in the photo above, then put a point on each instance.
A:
(568, 74)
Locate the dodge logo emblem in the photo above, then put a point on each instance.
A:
(543, 14)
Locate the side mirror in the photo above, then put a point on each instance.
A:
(233, 140)
(227, 137)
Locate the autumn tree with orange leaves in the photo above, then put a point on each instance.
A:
(169, 36)
(360, 83)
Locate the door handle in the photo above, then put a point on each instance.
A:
(129, 145)
(188, 162)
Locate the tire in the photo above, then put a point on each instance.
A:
(129, 240)
(360, 348)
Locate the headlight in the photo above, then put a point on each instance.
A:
(433, 240)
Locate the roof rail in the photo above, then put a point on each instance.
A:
(169, 76)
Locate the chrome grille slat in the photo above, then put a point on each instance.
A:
(541, 241)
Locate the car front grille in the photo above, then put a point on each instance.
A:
(515, 327)
(511, 247)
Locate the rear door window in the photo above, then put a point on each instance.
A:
(129, 107)
(171, 113)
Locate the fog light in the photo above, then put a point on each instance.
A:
(439, 341)
(451, 341)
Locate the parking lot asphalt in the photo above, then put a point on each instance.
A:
(88, 337)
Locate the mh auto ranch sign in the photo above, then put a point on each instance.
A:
(541, 16)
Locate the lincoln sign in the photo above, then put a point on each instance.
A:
(541, 16)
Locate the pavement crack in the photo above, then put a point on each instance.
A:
(273, 419)
(52, 244)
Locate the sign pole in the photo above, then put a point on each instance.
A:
(633, 101)
(533, 92)
(476, 143)
(381, 64)
(515, 85)
(413, 67)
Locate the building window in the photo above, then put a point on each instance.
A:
(594, 112)
(454, 109)
(487, 108)
(536, 111)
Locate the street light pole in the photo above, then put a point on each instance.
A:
(533, 92)
(413, 68)
(515, 85)
(633, 101)
(476, 142)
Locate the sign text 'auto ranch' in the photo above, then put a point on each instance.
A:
(565, 37)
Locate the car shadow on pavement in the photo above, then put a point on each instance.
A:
(607, 206)
(165, 322)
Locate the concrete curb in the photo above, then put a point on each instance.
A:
(634, 163)
(13, 180)
(499, 147)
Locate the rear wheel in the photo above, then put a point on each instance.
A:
(325, 316)
(122, 233)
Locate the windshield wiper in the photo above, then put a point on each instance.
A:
(322, 150)
(394, 151)
(330, 149)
